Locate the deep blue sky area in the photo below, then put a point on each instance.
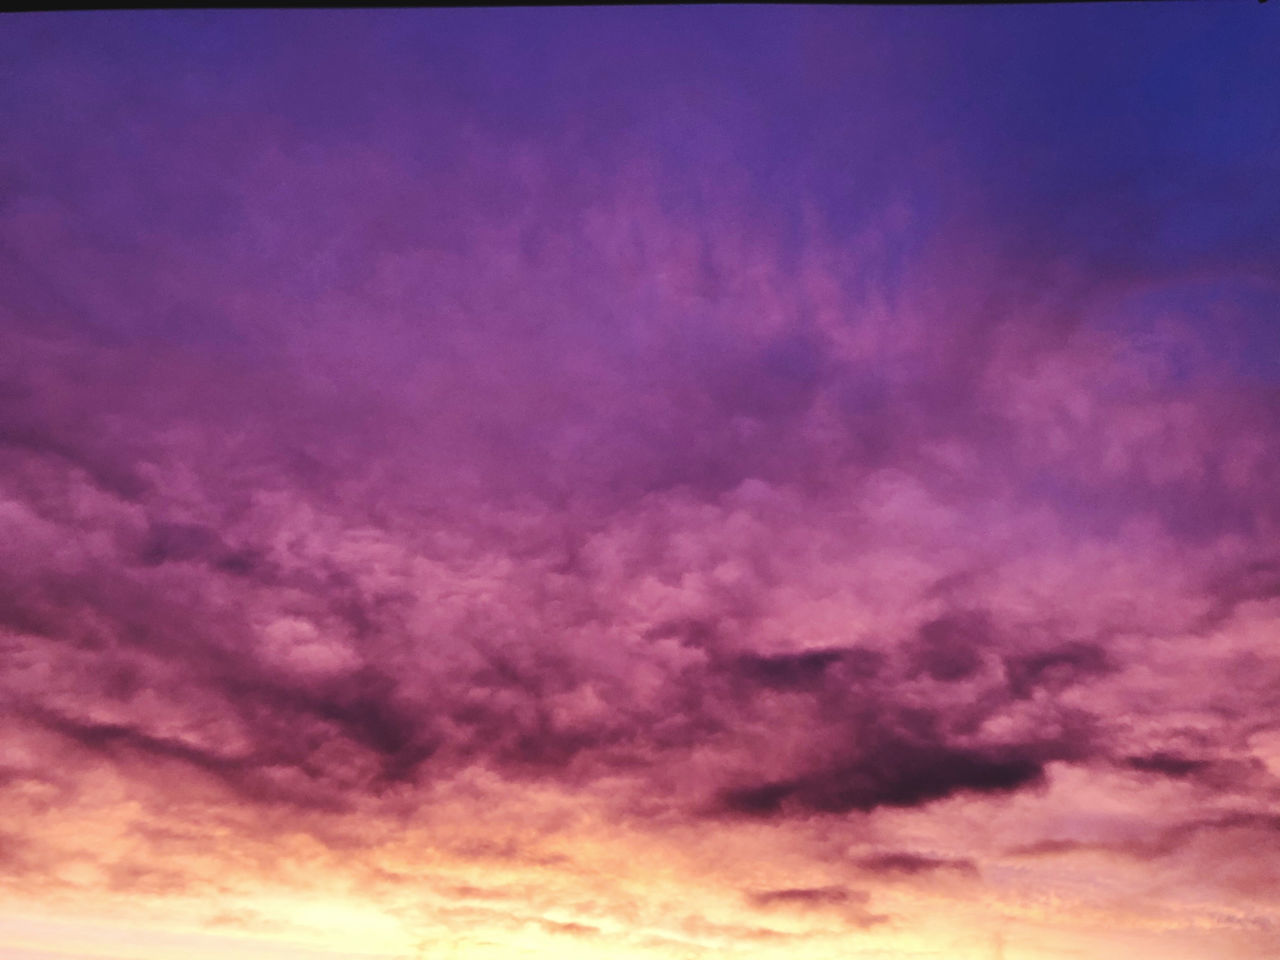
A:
(1091, 142)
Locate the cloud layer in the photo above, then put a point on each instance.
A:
(670, 480)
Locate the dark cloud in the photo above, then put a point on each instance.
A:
(121, 738)
(177, 542)
(569, 929)
(807, 896)
(809, 670)
(193, 542)
(1258, 579)
(848, 904)
(912, 864)
(1168, 764)
(1261, 830)
(1056, 668)
(1050, 848)
(1266, 823)
(949, 648)
(254, 779)
(29, 435)
(366, 707)
(895, 774)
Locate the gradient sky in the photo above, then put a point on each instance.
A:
(653, 484)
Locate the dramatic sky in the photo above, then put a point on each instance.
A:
(645, 484)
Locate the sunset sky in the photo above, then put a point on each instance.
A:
(655, 483)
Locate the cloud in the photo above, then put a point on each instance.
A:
(805, 896)
(1055, 668)
(797, 670)
(1171, 841)
(902, 775)
(849, 904)
(650, 445)
(950, 646)
(913, 864)
(1169, 765)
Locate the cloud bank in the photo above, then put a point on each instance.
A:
(446, 455)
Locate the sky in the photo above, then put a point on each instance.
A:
(655, 483)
